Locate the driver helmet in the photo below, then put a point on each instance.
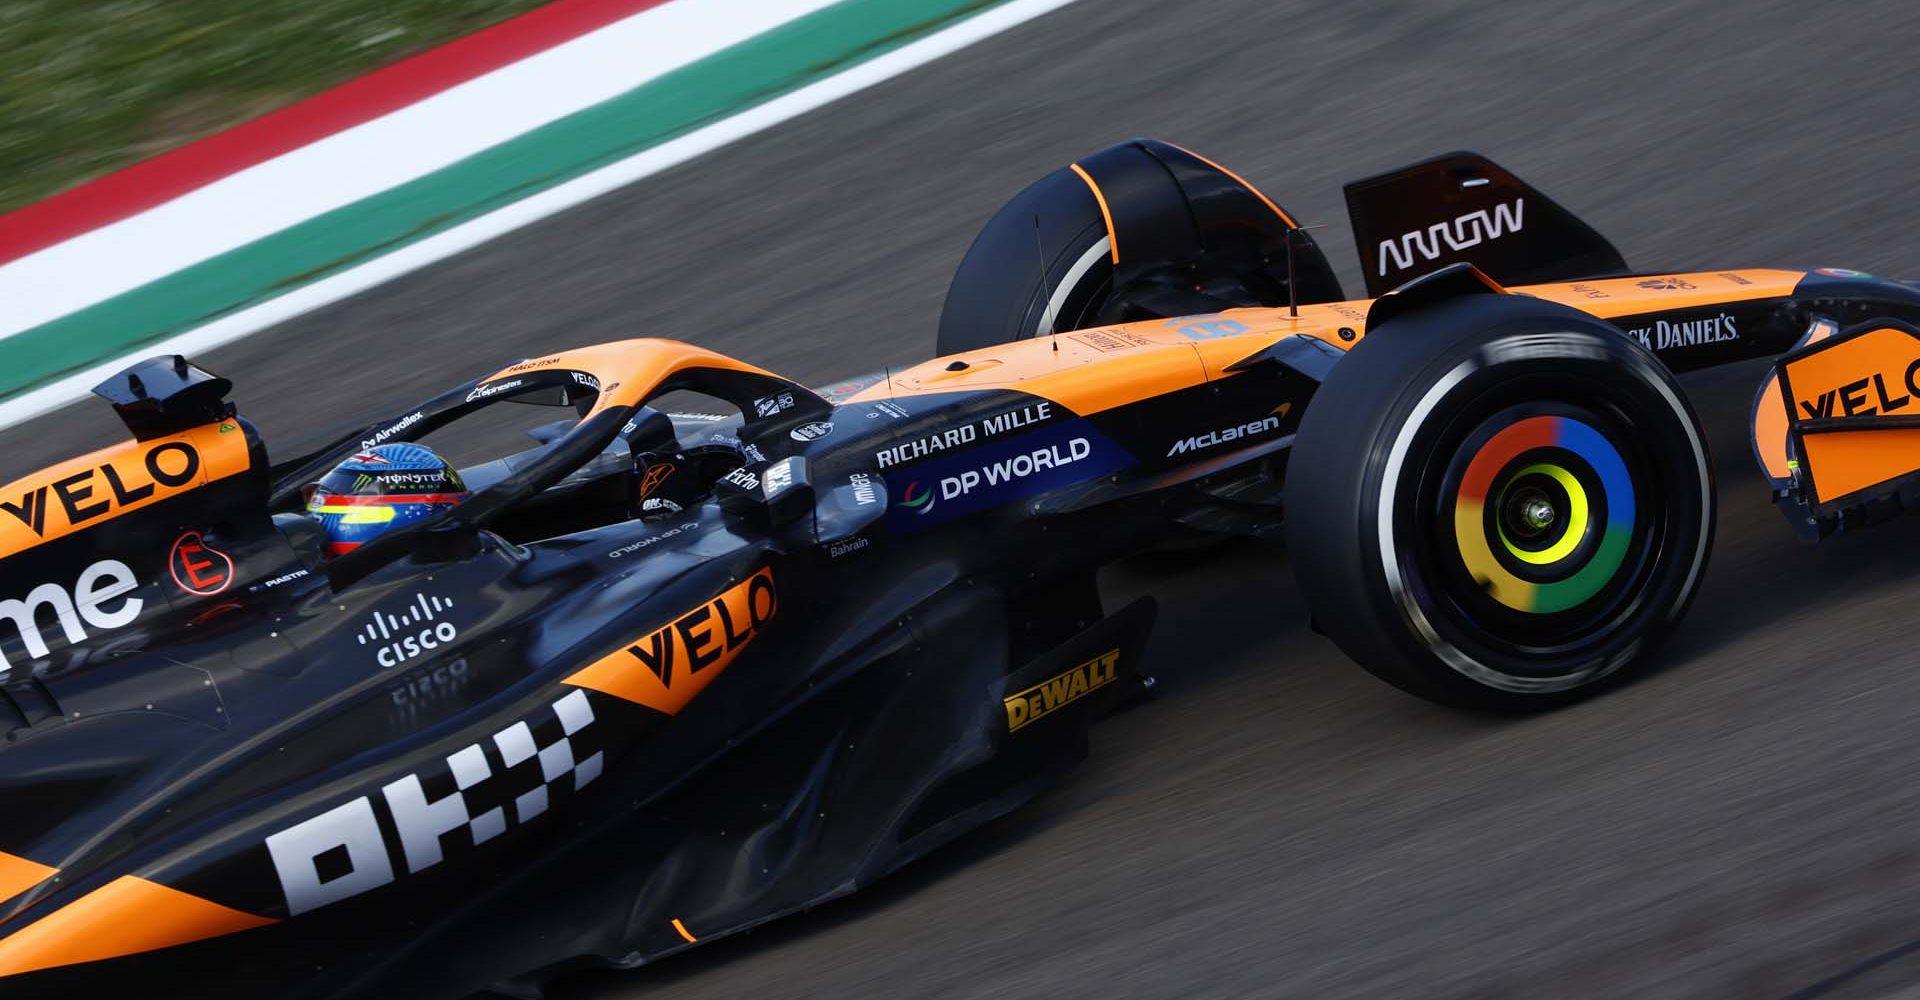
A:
(380, 489)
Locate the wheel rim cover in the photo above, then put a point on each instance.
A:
(1511, 455)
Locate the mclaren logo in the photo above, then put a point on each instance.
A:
(1053, 694)
(1201, 442)
(1469, 230)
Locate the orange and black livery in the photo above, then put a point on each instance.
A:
(717, 646)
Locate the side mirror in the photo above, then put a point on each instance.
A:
(165, 395)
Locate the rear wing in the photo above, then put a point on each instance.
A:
(1464, 207)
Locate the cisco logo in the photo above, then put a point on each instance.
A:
(419, 630)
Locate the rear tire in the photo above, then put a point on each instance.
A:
(1195, 238)
(1499, 503)
(1004, 291)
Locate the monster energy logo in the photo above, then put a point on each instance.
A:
(439, 479)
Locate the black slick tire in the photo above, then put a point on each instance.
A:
(1499, 503)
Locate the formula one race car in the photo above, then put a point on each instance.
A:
(668, 675)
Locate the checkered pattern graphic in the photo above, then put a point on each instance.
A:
(517, 744)
(471, 793)
(469, 769)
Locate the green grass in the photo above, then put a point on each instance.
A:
(89, 86)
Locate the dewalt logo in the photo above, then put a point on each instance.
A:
(1055, 693)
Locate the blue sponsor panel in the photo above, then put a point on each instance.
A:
(939, 490)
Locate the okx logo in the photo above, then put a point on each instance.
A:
(418, 630)
(918, 498)
(445, 807)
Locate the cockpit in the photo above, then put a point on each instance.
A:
(646, 429)
(617, 457)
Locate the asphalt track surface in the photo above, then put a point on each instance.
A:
(1744, 823)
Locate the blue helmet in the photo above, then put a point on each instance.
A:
(381, 489)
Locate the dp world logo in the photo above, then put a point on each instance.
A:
(917, 498)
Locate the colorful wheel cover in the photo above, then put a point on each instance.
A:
(1570, 504)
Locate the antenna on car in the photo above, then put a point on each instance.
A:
(1046, 314)
(1293, 293)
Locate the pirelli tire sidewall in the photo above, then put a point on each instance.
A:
(1397, 410)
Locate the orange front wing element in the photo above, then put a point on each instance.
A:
(1854, 401)
(1770, 417)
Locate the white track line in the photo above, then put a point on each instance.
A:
(378, 155)
(504, 220)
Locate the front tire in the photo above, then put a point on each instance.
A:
(1499, 503)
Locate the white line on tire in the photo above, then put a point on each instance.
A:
(1074, 274)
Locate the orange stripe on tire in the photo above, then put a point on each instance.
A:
(1113, 239)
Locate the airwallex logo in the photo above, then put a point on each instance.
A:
(1002, 472)
(414, 632)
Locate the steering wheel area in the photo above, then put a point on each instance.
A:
(608, 383)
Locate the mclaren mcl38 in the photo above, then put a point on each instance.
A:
(666, 674)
